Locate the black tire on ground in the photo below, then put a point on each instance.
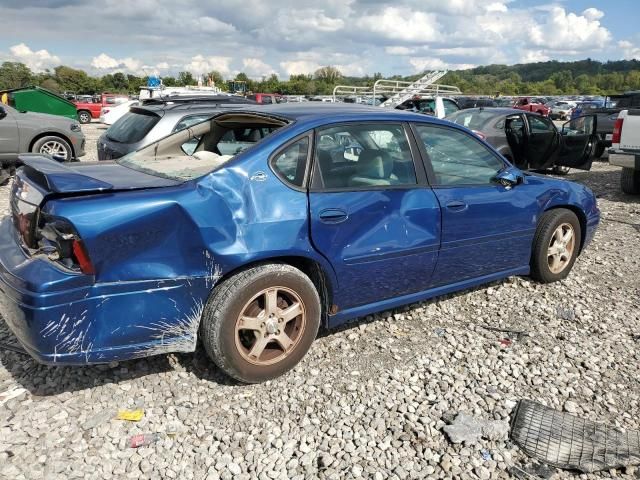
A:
(630, 181)
(84, 116)
(226, 305)
(547, 226)
(599, 150)
(47, 145)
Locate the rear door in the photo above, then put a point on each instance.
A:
(542, 141)
(372, 214)
(577, 143)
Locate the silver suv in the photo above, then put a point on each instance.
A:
(143, 125)
(22, 132)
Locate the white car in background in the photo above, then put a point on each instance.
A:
(108, 115)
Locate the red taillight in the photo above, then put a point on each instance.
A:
(479, 134)
(617, 131)
(82, 258)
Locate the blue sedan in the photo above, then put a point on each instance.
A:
(254, 228)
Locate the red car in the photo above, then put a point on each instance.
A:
(531, 104)
(89, 110)
(267, 98)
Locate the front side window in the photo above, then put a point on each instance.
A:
(457, 158)
(370, 155)
(290, 164)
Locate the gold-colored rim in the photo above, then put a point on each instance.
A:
(270, 326)
(561, 247)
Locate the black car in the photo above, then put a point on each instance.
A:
(531, 141)
(158, 118)
(475, 102)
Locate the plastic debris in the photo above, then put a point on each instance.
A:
(10, 394)
(532, 470)
(440, 332)
(469, 430)
(102, 417)
(486, 455)
(130, 415)
(506, 342)
(144, 439)
(568, 442)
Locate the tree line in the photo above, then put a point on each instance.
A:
(588, 77)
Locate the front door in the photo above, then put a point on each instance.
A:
(578, 141)
(9, 135)
(372, 215)
(486, 227)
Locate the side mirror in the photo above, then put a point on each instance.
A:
(3, 113)
(508, 177)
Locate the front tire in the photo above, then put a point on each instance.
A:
(52, 145)
(630, 181)
(555, 245)
(561, 170)
(259, 323)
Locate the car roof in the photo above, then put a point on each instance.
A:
(496, 111)
(182, 108)
(317, 111)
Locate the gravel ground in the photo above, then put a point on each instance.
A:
(369, 399)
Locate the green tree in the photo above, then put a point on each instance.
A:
(186, 78)
(217, 79)
(328, 74)
(51, 85)
(15, 75)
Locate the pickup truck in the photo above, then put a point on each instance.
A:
(608, 114)
(530, 104)
(89, 110)
(625, 150)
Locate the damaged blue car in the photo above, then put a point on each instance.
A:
(252, 229)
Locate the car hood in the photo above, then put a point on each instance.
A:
(65, 178)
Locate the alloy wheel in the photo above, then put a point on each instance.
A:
(270, 326)
(54, 147)
(561, 247)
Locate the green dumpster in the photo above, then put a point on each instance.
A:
(36, 99)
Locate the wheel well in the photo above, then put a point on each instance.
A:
(310, 268)
(53, 134)
(582, 218)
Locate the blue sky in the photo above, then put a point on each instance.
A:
(290, 37)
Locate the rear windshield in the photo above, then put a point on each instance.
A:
(472, 120)
(132, 127)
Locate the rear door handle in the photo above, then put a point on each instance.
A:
(333, 215)
(456, 205)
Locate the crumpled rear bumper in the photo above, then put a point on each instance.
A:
(64, 318)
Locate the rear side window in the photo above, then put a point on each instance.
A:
(266, 99)
(540, 124)
(186, 122)
(290, 164)
(132, 127)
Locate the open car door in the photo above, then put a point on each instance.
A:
(578, 141)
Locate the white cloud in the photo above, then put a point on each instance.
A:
(420, 64)
(399, 23)
(36, 60)
(104, 62)
(256, 68)
(562, 31)
(530, 56)
(629, 50)
(212, 25)
(200, 64)
(592, 14)
(298, 67)
(496, 7)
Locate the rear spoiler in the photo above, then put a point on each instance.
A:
(58, 177)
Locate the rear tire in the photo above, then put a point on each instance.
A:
(555, 245)
(246, 329)
(630, 181)
(560, 170)
(84, 116)
(52, 145)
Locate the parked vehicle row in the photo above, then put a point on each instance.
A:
(255, 226)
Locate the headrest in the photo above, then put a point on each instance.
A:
(375, 164)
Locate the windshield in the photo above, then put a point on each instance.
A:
(132, 127)
(473, 120)
(203, 147)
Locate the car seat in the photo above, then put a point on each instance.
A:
(374, 167)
